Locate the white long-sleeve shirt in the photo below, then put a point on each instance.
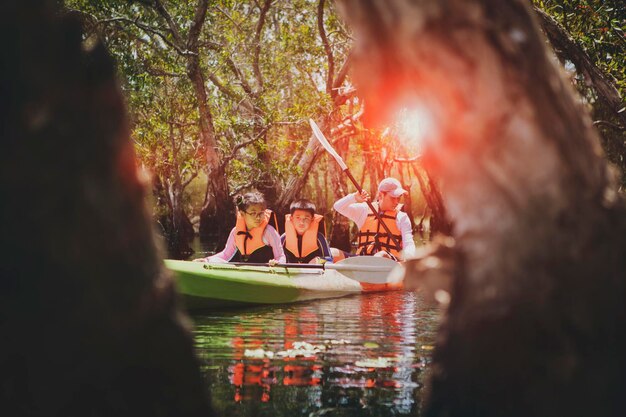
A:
(357, 212)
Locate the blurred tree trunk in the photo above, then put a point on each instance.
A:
(89, 316)
(535, 323)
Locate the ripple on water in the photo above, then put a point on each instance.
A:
(362, 355)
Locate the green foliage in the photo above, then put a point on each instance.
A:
(599, 27)
(293, 66)
(291, 60)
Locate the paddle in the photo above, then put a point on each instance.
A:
(322, 139)
(368, 269)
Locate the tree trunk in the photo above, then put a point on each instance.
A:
(408, 201)
(173, 222)
(296, 181)
(89, 315)
(567, 49)
(535, 324)
(181, 233)
(438, 222)
(218, 209)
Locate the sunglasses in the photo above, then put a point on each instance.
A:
(258, 215)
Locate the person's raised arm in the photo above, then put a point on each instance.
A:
(353, 206)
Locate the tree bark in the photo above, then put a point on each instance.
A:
(535, 324)
(90, 317)
(296, 181)
(218, 208)
(439, 222)
(181, 232)
(566, 48)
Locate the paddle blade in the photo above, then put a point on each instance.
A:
(369, 269)
(322, 139)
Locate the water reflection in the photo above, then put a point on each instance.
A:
(359, 356)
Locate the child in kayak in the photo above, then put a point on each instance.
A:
(303, 242)
(252, 240)
(373, 239)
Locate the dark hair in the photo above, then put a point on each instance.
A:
(242, 202)
(302, 204)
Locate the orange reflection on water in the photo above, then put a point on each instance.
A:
(248, 374)
(254, 377)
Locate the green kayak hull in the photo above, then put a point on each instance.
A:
(213, 286)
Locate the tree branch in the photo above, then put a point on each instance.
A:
(343, 136)
(156, 72)
(609, 124)
(232, 94)
(566, 47)
(343, 72)
(229, 17)
(257, 43)
(329, 52)
(196, 26)
(188, 180)
(344, 96)
(236, 148)
(150, 30)
(229, 92)
(348, 121)
(242, 187)
(162, 11)
(407, 160)
(214, 46)
(239, 74)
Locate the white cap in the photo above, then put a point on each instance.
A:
(391, 185)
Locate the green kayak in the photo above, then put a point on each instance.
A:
(213, 285)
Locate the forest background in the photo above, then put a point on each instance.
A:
(220, 92)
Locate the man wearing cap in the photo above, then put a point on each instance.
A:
(372, 237)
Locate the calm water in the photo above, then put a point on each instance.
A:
(364, 355)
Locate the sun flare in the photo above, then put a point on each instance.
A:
(414, 126)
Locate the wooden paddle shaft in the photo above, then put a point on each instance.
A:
(317, 132)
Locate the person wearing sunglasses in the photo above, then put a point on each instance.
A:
(253, 239)
(304, 240)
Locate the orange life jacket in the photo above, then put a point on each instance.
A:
(309, 239)
(373, 237)
(250, 242)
